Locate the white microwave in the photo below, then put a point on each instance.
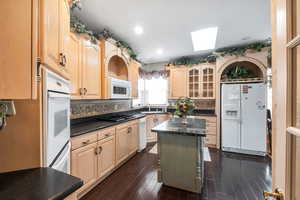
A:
(120, 89)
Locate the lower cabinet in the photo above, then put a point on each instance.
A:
(126, 140)
(85, 163)
(96, 155)
(106, 155)
(133, 138)
(211, 131)
(152, 121)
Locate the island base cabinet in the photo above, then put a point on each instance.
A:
(84, 164)
(181, 161)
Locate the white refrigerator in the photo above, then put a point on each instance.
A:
(244, 124)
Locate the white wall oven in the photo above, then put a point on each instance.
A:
(57, 122)
(120, 89)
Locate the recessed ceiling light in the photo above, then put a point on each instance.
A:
(159, 51)
(138, 30)
(204, 39)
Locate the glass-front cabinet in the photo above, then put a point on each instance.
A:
(194, 82)
(201, 81)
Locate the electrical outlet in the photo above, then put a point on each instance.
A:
(8, 107)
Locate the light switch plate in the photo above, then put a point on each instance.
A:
(9, 106)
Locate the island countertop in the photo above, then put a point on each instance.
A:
(194, 127)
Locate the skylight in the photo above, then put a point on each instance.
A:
(204, 39)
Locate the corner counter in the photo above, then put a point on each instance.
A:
(180, 153)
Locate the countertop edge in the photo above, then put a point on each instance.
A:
(180, 133)
(103, 127)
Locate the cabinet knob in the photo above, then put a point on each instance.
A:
(129, 130)
(107, 135)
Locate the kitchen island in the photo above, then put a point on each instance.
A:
(180, 153)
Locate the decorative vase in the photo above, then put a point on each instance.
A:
(184, 120)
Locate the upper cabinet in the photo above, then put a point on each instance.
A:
(201, 82)
(197, 82)
(91, 70)
(208, 81)
(116, 63)
(178, 82)
(84, 59)
(194, 82)
(134, 78)
(74, 62)
(19, 44)
(54, 30)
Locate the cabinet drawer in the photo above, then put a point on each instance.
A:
(83, 140)
(211, 124)
(106, 133)
(126, 124)
(210, 140)
(208, 119)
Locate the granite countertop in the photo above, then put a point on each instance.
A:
(91, 124)
(37, 184)
(95, 124)
(195, 127)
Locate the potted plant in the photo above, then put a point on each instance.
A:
(184, 107)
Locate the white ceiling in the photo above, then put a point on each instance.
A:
(167, 23)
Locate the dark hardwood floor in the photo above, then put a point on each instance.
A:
(228, 177)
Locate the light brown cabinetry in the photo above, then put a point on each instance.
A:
(197, 82)
(134, 78)
(133, 138)
(178, 82)
(208, 81)
(211, 130)
(126, 140)
(107, 156)
(96, 155)
(18, 51)
(84, 163)
(54, 32)
(74, 63)
(201, 82)
(151, 122)
(122, 143)
(93, 156)
(91, 70)
(85, 64)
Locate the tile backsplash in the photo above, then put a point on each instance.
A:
(88, 108)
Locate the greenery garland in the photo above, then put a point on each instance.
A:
(232, 51)
(79, 27)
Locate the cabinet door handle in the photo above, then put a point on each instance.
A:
(85, 91)
(86, 142)
(81, 91)
(107, 135)
(129, 130)
(62, 59)
(100, 150)
(96, 151)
